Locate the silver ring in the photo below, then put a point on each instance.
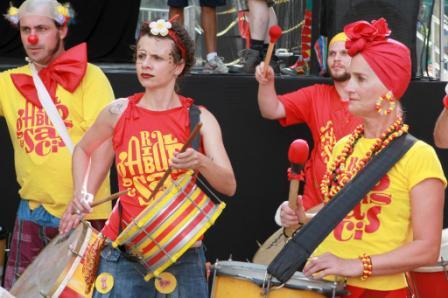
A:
(78, 211)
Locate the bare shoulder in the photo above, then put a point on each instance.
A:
(118, 106)
(206, 115)
(209, 121)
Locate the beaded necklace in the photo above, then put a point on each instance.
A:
(338, 174)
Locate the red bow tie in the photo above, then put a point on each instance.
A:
(67, 70)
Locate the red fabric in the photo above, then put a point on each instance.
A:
(356, 292)
(144, 141)
(389, 59)
(67, 70)
(327, 116)
(243, 27)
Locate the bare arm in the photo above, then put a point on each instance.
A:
(215, 165)
(95, 147)
(268, 102)
(427, 199)
(441, 130)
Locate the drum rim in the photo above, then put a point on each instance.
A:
(431, 269)
(79, 243)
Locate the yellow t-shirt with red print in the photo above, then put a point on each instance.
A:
(42, 161)
(382, 220)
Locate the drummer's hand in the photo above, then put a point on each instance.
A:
(70, 219)
(81, 202)
(189, 159)
(329, 264)
(290, 217)
(264, 77)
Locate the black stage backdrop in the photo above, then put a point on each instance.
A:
(257, 148)
(108, 26)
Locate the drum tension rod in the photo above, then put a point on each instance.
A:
(72, 250)
(444, 265)
(266, 286)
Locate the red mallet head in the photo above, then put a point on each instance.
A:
(274, 33)
(33, 39)
(298, 152)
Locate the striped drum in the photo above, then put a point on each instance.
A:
(170, 225)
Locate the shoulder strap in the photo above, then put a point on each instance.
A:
(194, 114)
(50, 109)
(296, 252)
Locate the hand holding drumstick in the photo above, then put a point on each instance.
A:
(263, 72)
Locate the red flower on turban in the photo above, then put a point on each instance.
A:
(388, 58)
(362, 33)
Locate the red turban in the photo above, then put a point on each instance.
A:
(389, 59)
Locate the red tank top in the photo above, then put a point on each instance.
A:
(144, 141)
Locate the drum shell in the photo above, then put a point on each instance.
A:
(237, 279)
(169, 225)
(429, 284)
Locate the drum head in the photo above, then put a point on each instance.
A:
(256, 274)
(41, 278)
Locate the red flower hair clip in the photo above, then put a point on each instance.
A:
(362, 33)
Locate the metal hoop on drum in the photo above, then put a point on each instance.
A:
(266, 286)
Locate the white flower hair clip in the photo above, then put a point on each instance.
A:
(160, 27)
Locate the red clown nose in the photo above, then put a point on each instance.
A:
(33, 39)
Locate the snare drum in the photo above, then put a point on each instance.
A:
(57, 270)
(432, 281)
(169, 225)
(238, 280)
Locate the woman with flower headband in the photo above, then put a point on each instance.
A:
(397, 226)
(147, 131)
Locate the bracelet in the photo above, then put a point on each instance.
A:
(367, 266)
(445, 101)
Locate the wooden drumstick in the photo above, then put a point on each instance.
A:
(170, 168)
(109, 198)
(274, 34)
(104, 200)
(297, 155)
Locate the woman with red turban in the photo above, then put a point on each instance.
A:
(397, 226)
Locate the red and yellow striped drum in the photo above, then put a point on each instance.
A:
(58, 270)
(169, 225)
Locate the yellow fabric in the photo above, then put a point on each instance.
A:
(382, 222)
(42, 163)
(338, 37)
